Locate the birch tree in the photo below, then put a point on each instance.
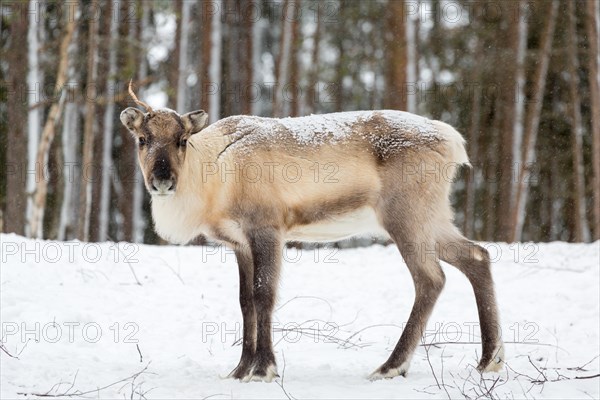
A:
(532, 123)
(514, 106)
(35, 84)
(69, 208)
(517, 136)
(215, 64)
(67, 226)
(48, 133)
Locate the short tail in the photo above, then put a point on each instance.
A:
(454, 144)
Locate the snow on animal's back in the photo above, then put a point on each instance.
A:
(337, 126)
(384, 131)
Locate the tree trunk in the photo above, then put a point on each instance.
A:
(514, 102)
(173, 70)
(396, 66)
(67, 227)
(473, 140)
(16, 143)
(592, 20)
(102, 76)
(39, 201)
(335, 93)
(109, 117)
(124, 187)
(283, 59)
(473, 146)
(582, 233)
(138, 222)
(246, 48)
(411, 65)
(203, 70)
(36, 108)
(294, 87)
(532, 124)
(70, 207)
(313, 79)
(182, 97)
(215, 64)
(258, 28)
(85, 191)
(518, 128)
(557, 186)
(490, 196)
(238, 60)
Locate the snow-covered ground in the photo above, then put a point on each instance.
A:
(75, 321)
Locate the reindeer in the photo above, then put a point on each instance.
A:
(354, 173)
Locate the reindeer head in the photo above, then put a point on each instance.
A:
(162, 139)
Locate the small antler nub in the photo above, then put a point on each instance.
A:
(138, 101)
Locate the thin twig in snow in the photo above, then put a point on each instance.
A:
(24, 347)
(137, 281)
(215, 395)
(172, 270)
(582, 368)
(368, 327)
(79, 393)
(443, 383)
(6, 351)
(588, 377)
(431, 367)
(137, 346)
(282, 378)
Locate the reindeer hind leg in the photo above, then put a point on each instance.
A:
(474, 261)
(418, 250)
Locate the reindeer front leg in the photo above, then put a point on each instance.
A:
(266, 247)
(246, 267)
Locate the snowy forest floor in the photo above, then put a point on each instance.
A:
(127, 321)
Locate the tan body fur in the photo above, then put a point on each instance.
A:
(220, 179)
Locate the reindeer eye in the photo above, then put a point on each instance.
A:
(141, 141)
(183, 143)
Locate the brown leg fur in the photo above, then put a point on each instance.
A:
(429, 280)
(246, 268)
(265, 245)
(474, 261)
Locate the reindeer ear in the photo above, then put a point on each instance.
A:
(194, 121)
(132, 119)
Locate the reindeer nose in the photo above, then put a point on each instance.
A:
(162, 179)
(163, 186)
